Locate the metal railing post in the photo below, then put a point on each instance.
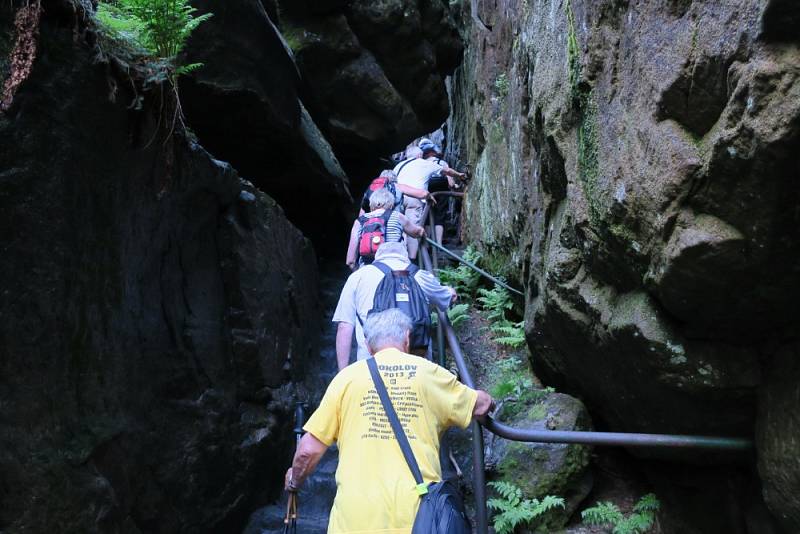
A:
(479, 480)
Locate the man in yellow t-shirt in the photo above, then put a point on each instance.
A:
(376, 492)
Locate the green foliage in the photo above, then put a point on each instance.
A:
(457, 315)
(462, 278)
(157, 29)
(510, 334)
(514, 386)
(495, 301)
(512, 510)
(609, 514)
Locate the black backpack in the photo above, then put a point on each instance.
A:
(398, 289)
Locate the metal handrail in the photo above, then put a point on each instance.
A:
(554, 436)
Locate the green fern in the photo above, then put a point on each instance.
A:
(462, 278)
(510, 334)
(512, 510)
(158, 29)
(495, 301)
(648, 503)
(603, 513)
(457, 315)
(609, 514)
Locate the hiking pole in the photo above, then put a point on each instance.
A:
(434, 244)
(299, 417)
(290, 521)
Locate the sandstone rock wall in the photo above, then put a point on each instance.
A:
(635, 168)
(154, 308)
(376, 71)
(246, 106)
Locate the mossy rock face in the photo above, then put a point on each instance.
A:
(638, 174)
(541, 469)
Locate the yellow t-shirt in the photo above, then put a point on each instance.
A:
(375, 489)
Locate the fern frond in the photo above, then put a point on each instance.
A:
(634, 524)
(513, 334)
(603, 513)
(548, 503)
(648, 503)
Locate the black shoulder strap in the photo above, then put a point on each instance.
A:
(387, 214)
(399, 433)
(412, 270)
(403, 165)
(385, 269)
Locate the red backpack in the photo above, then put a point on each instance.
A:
(380, 183)
(372, 234)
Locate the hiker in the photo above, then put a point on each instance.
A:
(439, 182)
(416, 171)
(361, 291)
(376, 491)
(382, 224)
(388, 180)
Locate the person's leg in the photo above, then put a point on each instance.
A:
(414, 208)
(439, 233)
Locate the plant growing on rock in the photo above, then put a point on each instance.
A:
(512, 510)
(608, 514)
(159, 27)
(154, 30)
(462, 278)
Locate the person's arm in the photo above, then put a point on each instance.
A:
(344, 341)
(352, 246)
(439, 296)
(483, 405)
(415, 192)
(449, 171)
(414, 230)
(308, 454)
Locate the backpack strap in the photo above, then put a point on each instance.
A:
(403, 165)
(412, 269)
(385, 269)
(397, 428)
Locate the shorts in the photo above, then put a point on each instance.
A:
(414, 209)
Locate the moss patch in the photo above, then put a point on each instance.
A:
(588, 156)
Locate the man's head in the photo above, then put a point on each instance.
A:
(413, 152)
(381, 199)
(388, 329)
(395, 249)
(429, 148)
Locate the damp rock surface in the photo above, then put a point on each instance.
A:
(634, 168)
(155, 312)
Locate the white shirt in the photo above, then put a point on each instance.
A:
(359, 292)
(416, 173)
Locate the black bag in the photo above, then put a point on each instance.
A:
(441, 510)
(398, 289)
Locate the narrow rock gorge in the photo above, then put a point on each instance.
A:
(166, 283)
